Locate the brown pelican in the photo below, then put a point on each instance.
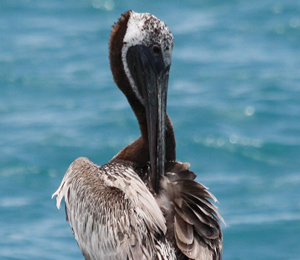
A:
(142, 204)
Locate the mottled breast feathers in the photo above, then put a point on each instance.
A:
(112, 216)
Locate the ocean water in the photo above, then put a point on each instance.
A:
(234, 98)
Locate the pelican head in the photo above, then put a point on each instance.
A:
(143, 45)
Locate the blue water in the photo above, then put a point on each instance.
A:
(234, 98)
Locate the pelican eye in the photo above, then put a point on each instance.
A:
(156, 49)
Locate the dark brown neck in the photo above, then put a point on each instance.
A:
(117, 68)
(138, 151)
(170, 142)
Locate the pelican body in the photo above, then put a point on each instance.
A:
(141, 205)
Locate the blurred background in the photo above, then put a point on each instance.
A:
(233, 97)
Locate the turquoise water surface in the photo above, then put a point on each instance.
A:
(234, 98)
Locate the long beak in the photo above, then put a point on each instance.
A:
(155, 105)
(151, 77)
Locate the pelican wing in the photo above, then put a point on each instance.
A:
(196, 226)
(110, 210)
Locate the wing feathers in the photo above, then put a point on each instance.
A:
(197, 230)
(183, 230)
(112, 213)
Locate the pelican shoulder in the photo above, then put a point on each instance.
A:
(111, 211)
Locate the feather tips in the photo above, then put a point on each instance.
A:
(195, 227)
(111, 212)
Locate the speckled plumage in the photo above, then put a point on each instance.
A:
(146, 29)
(112, 209)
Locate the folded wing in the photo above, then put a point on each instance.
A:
(111, 211)
(187, 204)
